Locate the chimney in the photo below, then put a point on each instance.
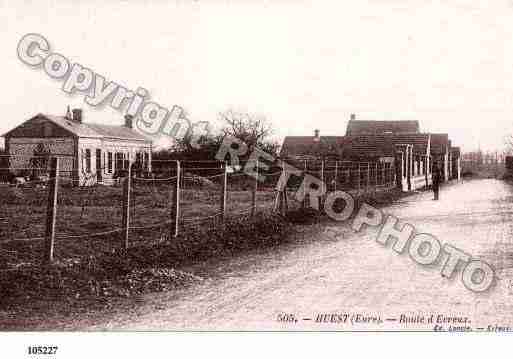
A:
(353, 117)
(77, 115)
(316, 135)
(129, 121)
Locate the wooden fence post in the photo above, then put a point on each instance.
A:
(376, 177)
(254, 194)
(368, 177)
(336, 175)
(305, 195)
(223, 192)
(304, 202)
(126, 208)
(281, 202)
(358, 177)
(384, 180)
(285, 202)
(175, 203)
(51, 210)
(322, 176)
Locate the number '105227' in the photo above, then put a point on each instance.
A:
(42, 350)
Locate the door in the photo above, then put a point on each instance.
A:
(99, 168)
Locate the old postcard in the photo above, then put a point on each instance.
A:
(306, 166)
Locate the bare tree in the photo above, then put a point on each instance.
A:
(253, 130)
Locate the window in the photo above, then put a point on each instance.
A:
(146, 161)
(119, 161)
(88, 160)
(126, 162)
(109, 162)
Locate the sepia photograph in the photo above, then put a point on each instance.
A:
(258, 167)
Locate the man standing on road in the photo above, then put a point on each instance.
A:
(436, 178)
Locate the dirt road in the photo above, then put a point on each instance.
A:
(353, 274)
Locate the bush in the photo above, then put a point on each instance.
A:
(140, 269)
(304, 216)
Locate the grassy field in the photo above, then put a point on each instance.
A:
(92, 266)
(84, 212)
(89, 219)
(90, 271)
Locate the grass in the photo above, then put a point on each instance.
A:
(83, 211)
(94, 270)
(139, 270)
(86, 211)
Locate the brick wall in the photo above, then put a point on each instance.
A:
(22, 150)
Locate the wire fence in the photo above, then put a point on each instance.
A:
(176, 198)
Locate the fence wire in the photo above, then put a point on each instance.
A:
(90, 215)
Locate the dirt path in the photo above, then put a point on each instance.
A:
(353, 274)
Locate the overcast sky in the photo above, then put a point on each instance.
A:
(305, 65)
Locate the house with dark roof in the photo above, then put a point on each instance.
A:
(397, 142)
(89, 153)
(409, 151)
(449, 159)
(361, 127)
(311, 147)
(397, 138)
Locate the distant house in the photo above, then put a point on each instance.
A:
(311, 147)
(409, 151)
(441, 153)
(399, 142)
(361, 127)
(89, 153)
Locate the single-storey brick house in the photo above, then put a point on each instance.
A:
(411, 151)
(89, 153)
(382, 141)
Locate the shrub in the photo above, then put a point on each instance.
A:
(141, 269)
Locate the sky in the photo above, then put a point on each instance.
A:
(305, 65)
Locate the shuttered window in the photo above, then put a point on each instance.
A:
(109, 161)
(146, 161)
(119, 161)
(88, 160)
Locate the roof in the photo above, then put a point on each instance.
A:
(456, 150)
(384, 145)
(359, 127)
(93, 130)
(76, 128)
(121, 132)
(420, 141)
(362, 146)
(440, 143)
(310, 146)
(368, 146)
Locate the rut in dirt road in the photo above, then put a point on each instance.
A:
(355, 275)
